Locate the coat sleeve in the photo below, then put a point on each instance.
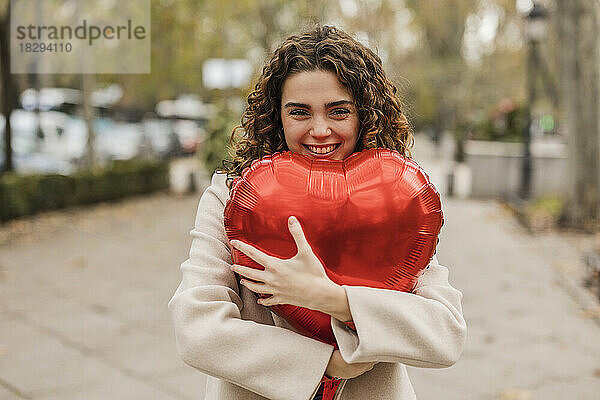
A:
(211, 336)
(424, 328)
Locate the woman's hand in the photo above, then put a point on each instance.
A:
(299, 281)
(338, 368)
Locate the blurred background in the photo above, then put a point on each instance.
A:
(503, 96)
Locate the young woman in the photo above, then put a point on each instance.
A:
(324, 95)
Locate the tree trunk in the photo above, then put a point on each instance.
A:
(87, 87)
(580, 107)
(8, 87)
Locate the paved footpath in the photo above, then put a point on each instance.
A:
(83, 307)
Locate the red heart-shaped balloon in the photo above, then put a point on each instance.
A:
(372, 219)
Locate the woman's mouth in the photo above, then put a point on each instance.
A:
(322, 150)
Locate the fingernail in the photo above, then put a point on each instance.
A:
(292, 220)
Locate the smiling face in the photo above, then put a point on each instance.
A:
(318, 115)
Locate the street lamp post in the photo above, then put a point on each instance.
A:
(535, 32)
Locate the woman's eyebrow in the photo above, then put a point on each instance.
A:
(328, 105)
(338, 103)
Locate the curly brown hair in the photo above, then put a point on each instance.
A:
(327, 48)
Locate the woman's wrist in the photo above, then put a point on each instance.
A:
(335, 303)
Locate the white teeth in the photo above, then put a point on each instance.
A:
(321, 150)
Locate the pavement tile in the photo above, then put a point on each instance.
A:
(429, 386)
(548, 360)
(142, 352)
(583, 388)
(85, 325)
(15, 297)
(185, 380)
(22, 343)
(481, 378)
(54, 368)
(116, 387)
(6, 394)
(140, 305)
(487, 337)
(582, 334)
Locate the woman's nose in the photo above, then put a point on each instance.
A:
(320, 129)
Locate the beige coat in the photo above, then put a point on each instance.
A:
(251, 353)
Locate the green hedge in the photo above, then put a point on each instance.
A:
(22, 195)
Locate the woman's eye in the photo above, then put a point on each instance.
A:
(340, 111)
(298, 112)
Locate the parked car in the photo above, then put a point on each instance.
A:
(121, 141)
(162, 137)
(36, 142)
